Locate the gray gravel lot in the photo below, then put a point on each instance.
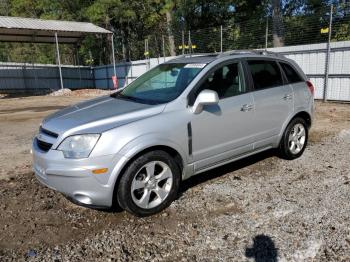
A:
(255, 209)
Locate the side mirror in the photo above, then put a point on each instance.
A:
(206, 97)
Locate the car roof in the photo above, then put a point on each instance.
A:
(210, 57)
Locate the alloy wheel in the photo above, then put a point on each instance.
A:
(152, 184)
(297, 138)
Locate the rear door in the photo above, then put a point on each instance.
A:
(273, 99)
(297, 83)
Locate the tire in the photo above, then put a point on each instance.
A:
(293, 146)
(149, 184)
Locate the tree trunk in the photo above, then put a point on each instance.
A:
(278, 30)
(172, 49)
(126, 42)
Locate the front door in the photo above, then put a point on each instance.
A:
(223, 131)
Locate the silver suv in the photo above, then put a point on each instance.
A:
(181, 118)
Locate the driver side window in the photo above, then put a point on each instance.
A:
(227, 81)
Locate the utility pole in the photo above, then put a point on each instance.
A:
(326, 73)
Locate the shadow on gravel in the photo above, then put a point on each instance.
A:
(222, 170)
(24, 94)
(263, 249)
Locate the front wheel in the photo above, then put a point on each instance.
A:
(294, 139)
(149, 184)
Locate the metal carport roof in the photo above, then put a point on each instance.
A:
(31, 30)
(19, 29)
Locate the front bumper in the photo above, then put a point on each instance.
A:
(74, 177)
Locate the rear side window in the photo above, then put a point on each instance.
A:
(291, 74)
(265, 74)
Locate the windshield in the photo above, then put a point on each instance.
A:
(161, 84)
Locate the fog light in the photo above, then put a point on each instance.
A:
(83, 199)
(100, 171)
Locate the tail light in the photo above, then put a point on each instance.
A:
(311, 87)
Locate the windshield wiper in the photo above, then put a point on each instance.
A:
(136, 99)
(115, 94)
(120, 95)
(130, 98)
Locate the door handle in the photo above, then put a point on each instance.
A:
(287, 97)
(246, 108)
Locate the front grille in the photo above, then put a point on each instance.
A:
(47, 132)
(43, 145)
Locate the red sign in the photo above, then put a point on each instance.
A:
(115, 82)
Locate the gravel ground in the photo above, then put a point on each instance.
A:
(258, 209)
(80, 92)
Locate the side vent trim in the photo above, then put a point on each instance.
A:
(189, 134)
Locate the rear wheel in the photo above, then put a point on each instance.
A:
(149, 184)
(294, 139)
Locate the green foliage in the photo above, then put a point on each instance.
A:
(343, 33)
(134, 21)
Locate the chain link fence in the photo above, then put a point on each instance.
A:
(319, 42)
(250, 34)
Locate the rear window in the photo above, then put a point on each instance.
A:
(265, 74)
(291, 74)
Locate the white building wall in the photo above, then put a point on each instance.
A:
(312, 59)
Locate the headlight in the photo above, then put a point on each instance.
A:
(78, 146)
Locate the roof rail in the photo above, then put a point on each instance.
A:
(265, 52)
(196, 54)
(251, 51)
(235, 52)
(230, 53)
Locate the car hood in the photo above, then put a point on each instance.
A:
(98, 115)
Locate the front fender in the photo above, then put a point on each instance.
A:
(150, 140)
(139, 144)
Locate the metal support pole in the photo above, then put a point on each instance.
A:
(33, 66)
(148, 61)
(183, 42)
(59, 60)
(266, 32)
(113, 56)
(126, 81)
(221, 39)
(189, 42)
(149, 58)
(78, 64)
(163, 47)
(93, 73)
(131, 75)
(325, 86)
(107, 80)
